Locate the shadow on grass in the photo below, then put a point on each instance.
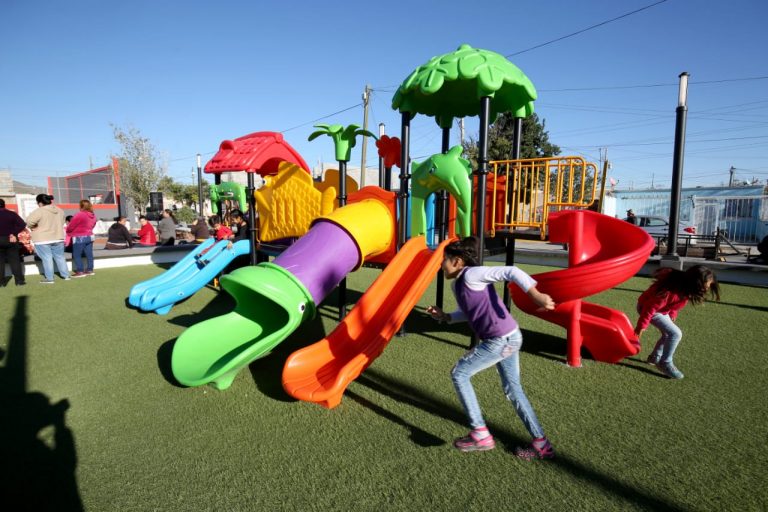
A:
(747, 306)
(164, 354)
(329, 308)
(547, 346)
(640, 365)
(421, 323)
(37, 450)
(418, 435)
(415, 397)
(222, 304)
(267, 372)
(554, 348)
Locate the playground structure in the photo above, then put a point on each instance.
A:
(273, 299)
(523, 193)
(230, 193)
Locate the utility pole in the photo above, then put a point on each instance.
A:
(200, 199)
(382, 171)
(732, 170)
(366, 98)
(461, 131)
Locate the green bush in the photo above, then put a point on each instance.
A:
(186, 214)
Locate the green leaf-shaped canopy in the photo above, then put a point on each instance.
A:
(451, 86)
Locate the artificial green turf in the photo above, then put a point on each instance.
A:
(626, 438)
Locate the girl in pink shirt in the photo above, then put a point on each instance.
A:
(660, 304)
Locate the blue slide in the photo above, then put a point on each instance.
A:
(191, 273)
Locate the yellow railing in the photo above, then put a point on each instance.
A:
(524, 192)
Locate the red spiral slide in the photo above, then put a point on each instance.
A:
(603, 252)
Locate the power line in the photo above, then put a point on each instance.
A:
(689, 141)
(321, 118)
(645, 86)
(587, 29)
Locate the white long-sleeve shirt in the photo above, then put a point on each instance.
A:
(477, 278)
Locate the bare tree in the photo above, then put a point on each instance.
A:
(140, 169)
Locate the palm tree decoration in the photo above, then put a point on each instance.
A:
(344, 138)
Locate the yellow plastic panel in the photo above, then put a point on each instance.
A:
(289, 202)
(331, 180)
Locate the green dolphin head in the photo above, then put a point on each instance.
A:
(443, 171)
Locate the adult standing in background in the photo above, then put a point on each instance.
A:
(47, 225)
(166, 228)
(80, 230)
(631, 217)
(10, 226)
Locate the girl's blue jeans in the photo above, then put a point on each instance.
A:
(82, 245)
(504, 352)
(670, 338)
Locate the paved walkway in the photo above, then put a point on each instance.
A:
(735, 268)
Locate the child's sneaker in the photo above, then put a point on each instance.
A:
(653, 359)
(670, 371)
(533, 452)
(472, 443)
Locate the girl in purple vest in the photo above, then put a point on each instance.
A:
(500, 341)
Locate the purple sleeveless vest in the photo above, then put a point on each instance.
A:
(487, 315)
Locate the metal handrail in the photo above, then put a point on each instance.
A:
(531, 190)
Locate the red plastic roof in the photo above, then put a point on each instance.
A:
(259, 152)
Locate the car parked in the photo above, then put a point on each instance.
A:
(658, 227)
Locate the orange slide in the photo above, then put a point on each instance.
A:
(322, 371)
(603, 252)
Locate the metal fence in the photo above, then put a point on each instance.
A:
(742, 220)
(739, 219)
(522, 193)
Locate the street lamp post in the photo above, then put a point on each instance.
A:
(677, 166)
(200, 199)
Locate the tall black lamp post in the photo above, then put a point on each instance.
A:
(200, 199)
(677, 166)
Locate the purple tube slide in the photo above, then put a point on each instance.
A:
(321, 258)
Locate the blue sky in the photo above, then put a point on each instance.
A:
(191, 74)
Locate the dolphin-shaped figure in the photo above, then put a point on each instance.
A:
(443, 171)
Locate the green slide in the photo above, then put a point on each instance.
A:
(271, 304)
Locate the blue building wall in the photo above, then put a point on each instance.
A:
(740, 216)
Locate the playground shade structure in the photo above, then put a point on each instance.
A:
(186, 277)
(603, 253)
(321, 372)
(273, 299)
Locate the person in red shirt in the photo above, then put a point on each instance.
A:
(146, 234)
(660, 304)
(80, 231)
(221, 232)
